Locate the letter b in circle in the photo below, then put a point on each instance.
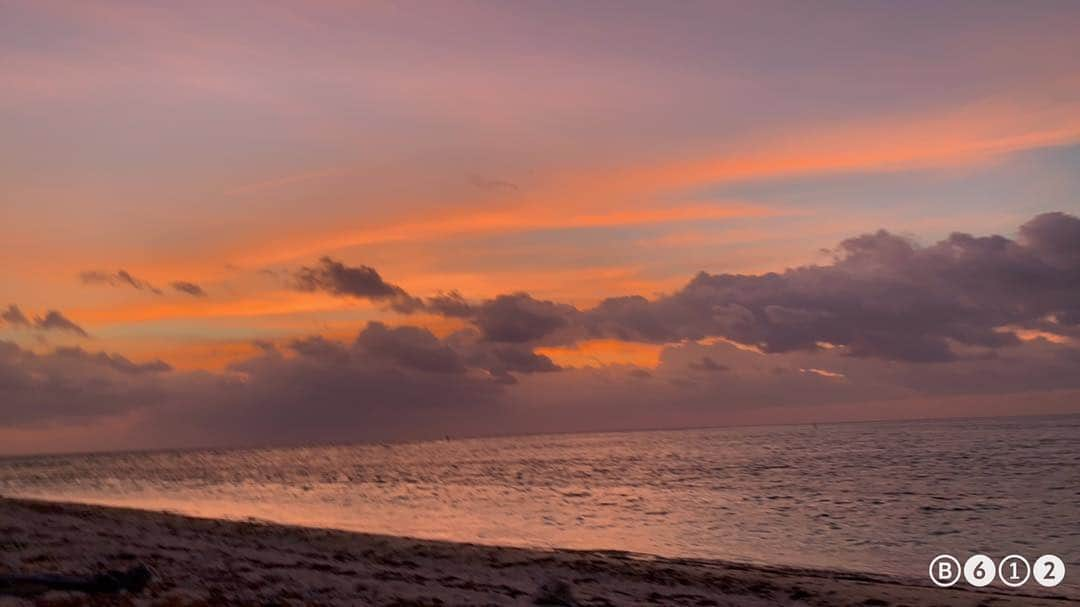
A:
(944, 570)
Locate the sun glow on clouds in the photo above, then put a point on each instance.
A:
(524, 218)
(266, 304)
(569, 153)
(602, 352)
(1033, 334)
(823, 373)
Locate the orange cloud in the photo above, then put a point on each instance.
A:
(943, 139)
(540, 216)
(212, 355)
(602, 352)
(632, 194)
(268, 303)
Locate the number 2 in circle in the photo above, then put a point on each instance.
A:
(1049, 570)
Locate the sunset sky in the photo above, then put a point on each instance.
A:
(280, 222)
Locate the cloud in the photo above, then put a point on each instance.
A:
(115, 279)
(516, 358)
(122, 278)
(1055, 238)
(362, 282)
(70, 385)
(188, 287)
(409, 347)
(451, 305)
(882, 330)
(406, 383)
(519, 318)
(52, 321)
(883, 296)
(501, 360)
(337, 278)
(390, 382)
(494, 185)
(114, 362)
(55, 321)
(14, 316)
(1034, 377)
(707, 364)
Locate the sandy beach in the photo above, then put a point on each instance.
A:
(212, 562)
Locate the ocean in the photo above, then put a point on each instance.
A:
(883, 497)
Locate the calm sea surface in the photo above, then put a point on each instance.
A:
(877, 497)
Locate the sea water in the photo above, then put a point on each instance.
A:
(880, 497)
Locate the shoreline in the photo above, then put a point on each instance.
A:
(201, 561)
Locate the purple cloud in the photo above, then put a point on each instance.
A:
(189, 288)
(14, 316)
(118, 278)
(361, 282)
(55, 321)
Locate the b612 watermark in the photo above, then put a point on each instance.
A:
(1013, 570)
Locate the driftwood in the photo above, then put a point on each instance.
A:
(132, 580)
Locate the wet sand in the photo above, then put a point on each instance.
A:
(212, 562)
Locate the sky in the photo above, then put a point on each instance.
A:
(287, 222)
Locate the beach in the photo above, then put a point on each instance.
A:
(196, 561)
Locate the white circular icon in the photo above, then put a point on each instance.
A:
(944, 570)
(979, 570)
(1048, 570)
(1014, 571)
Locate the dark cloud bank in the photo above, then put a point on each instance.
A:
(883, 297)
(70, 384)
(887, 321)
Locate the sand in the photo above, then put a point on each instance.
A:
(213, 562)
